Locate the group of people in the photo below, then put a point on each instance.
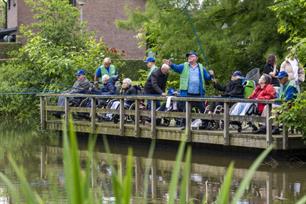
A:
(283, 84)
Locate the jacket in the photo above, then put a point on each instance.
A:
(266, 93)
(156, 83)
(80, 86)
(183, 70)
(233, 89)
(288, 91)
(108, 88)
(269, 68)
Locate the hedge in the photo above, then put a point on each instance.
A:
(6, 48)
(130, 68)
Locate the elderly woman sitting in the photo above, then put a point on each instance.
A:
(108, 86)
(263, 91)
(128, 90)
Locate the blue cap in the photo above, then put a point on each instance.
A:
(150, 59)
(282, 74)
(171, 91)
(80, 72)
(191, 53)
(237, 73)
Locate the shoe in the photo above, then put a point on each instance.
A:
(275, 131)
(261, 130)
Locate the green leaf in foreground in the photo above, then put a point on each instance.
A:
(247, 179)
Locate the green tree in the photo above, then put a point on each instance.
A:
(291, 15)
(234, 34)
(56, 46)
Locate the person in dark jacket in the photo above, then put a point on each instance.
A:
(108, 86)
(128, 90)
(156, 83)
(234, 88)
(270, 69)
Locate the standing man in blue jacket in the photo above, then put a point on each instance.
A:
(192, 79)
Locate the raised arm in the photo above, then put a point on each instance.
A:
(177, 67)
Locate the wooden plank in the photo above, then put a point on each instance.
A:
(269, 124)
(137, 119)
(188, 121)
(43, 113)
(93, 115)
(226, 124)
(153, 119)
(121, 116)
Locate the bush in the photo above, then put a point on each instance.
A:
(294, 115)
(7, 48)
(131, 68)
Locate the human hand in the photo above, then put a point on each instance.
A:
(167, 61)
(164, 94)
(211, 72)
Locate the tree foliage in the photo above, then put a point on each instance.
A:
(291, 16)
(234, 34)
(57, 45)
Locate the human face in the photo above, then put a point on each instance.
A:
(107, 64)
(165, 69)
(150, 64)
(283, 80)
(192, 59)
(124, 85)
(262, 82)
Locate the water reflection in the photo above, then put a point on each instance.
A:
(275, 182)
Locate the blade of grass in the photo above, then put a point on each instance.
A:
(223, 196)
(176, 170)
(147, 170)
(28, 193)
(302, 200)
(186, 177)
(247, 179)
(127, 182)
(12, 189)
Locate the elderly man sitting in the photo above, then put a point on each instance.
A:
(80, 86)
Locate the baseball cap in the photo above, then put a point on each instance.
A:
(150, 59)
(282, 74)
(191, 53)
(80, 72)
(237, 73)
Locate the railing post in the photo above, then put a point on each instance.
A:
(93, 115)
(121, 116)
(66, 112)
(137, 118)
(269, 124)
(42, 113)
(153, 119)
(188, 121)
(285, 137)
(226, 124)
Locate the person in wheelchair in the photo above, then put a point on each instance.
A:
(81, 86)
(108, 87)
(263, 91)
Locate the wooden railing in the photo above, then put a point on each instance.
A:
(153, 114)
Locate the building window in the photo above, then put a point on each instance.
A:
(9, 4)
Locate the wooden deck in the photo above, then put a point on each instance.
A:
(225, 137)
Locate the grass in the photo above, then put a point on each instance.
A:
(79, 190)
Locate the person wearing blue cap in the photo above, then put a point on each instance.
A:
(150, 61)
(82, 84)
(288, 90)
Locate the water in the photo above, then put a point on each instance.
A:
(280, 179)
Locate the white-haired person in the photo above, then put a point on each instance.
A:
(127, 89)
(108, 87)
(107, 68)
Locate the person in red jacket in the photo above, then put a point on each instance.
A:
(263, 91)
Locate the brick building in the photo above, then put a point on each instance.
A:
(100, 16)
